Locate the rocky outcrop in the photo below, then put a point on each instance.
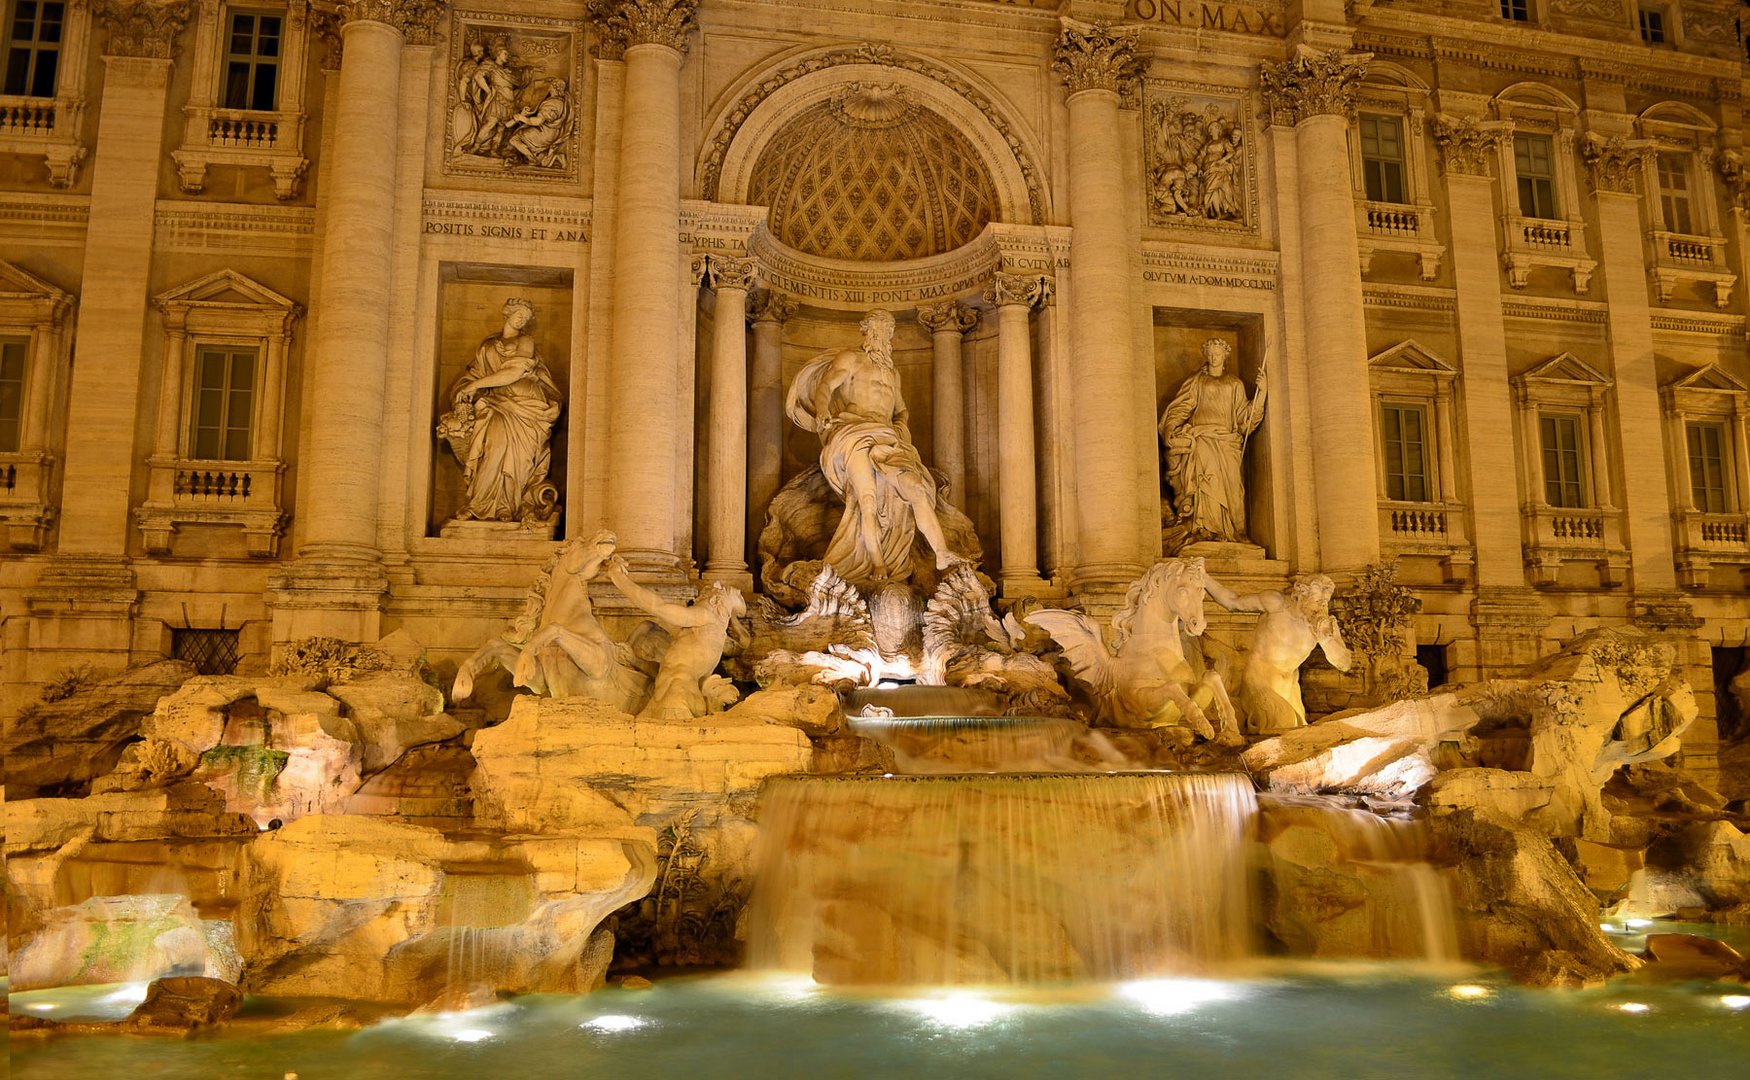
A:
(179, 1003)
(110, 939)
(58, 747)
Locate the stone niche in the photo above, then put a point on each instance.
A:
(471, 299)
(1178, 354)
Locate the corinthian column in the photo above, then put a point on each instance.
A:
(1314, 95)
(765, 442)
(1097, 63)
(948, 324)
(726, 435)
(644, 367)
(1017, 492)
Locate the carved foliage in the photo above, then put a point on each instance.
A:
(1311, 84)
(1375, 611)
(1737, 178)
(1098, 56)
(144, 28)
(625, 23)
(1466, 146)
(1023, 289)
(1196, 162)
(948, 315)
(726, 271)
(769, 305)
(1612, 163)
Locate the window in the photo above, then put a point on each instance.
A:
(212, 652)
(1653, 26)
(12, 393)
(1405, 431)
(1382, 158)
(1562, 483)
(1517, 10)
(224, 396)
(252, 59)
(1534, 163)
(1707, 467)
(33, 47)
(1674, 193)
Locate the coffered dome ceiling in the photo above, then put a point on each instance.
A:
(870, 175)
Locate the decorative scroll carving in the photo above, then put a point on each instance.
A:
(1005, 289)
(1312, 84)
(1737, 178)
(512, 108)
(1589, 9)
(420, 19)
(727, 271)
(1098, 56)
(416, 19)
(948, 315)
(625, 23)
(325, 26)
(1466, 146)
(1196, 163)
(769, 305)
(1611, 163)
(143, 28)
(867, 53)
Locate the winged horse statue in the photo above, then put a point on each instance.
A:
(1144, 677)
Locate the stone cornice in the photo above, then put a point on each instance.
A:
(1466, 145)
(1312, 84)
(623, 24)
(142, 28)
(1098, 56)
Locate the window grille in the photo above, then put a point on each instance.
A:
(212, 652)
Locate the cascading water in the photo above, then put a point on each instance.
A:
(479, 912)
(993, 878)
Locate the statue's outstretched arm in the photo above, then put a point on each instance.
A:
(1233, 601)
(669, 612)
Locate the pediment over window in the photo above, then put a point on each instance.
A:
(1565, 368)
(24, 297)
(229, 300)
(1710, 377)
(1412, 358)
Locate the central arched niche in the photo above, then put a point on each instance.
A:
(872, 175)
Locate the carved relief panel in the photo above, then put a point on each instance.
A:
(514, 98)
(1197, 150)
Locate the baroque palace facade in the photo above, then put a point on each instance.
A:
(1482, 260)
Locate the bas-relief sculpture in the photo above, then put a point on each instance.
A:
(511, 105)
(1204, 430)
(1197, 164)
(1290, 626)
(500, 427)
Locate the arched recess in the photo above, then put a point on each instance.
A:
(769, 98)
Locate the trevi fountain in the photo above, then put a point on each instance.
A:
(855, 641)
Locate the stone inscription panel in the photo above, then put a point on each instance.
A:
(1259, 18)
(514, 98)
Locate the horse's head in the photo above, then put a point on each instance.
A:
(1170, 594)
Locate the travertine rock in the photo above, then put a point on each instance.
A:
(58, 747)
(184, 1003)
(117, 939)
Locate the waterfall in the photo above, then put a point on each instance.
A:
(1002, 878)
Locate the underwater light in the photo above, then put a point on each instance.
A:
(133, 992)
(43, 1006)
(613, 1022)
(1470, 992)
(1633, 1007)
(1735, 1001)
(471, 1035)
(1175, 997)
(1637, 924)
(958, 1011)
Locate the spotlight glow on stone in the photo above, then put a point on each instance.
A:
(614, 1022)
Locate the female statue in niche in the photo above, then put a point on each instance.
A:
(1205, 429)
(500, 426)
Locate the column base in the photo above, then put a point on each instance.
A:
(1509, 621)
(1014, 584)
(735, 575)
(328, 599)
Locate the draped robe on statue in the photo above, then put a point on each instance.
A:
(1205, 429)
(509, 450)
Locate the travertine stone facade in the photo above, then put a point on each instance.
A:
(1491, 271)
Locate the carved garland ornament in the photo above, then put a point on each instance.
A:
(1098, 56)
(1312, 84)
(1466, 146)
(711, 172)
(143, 28)
(1611, 164)
(625, 23)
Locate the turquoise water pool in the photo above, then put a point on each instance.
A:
(1327, 1022)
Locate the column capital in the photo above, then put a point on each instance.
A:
(1098, 56)
(1736, 177)
(725, 271)
(1467, 145)
(1025, 290)
(1310, 84)
(769, 305)
(143, 28)
(625, 23)
(947, 315)
(1613, 163)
